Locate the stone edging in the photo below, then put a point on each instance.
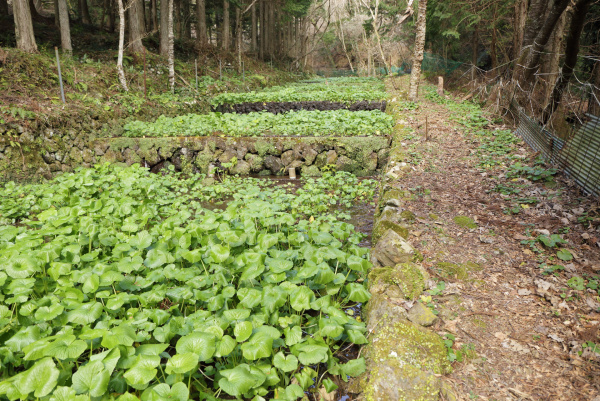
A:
(404, 359)
(361, 156)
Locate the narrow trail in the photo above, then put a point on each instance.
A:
(517, 317)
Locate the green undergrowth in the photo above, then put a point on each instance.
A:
(30, 82)
(297, 123)
(120, 284)
(308, 92)
(344, 80)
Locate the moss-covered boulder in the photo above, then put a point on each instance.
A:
(422, 315)
(392, 249)
(409, 278)
(402, 361)
(390, 219)
(311, 171)
(382, 306)
(241, 167)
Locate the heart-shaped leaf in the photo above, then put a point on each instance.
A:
(182, 363)
(287, 364)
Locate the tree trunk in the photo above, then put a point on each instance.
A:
(474, 54)
(225, 35)
(111, 16)
(595, 98)
(33, 10)
(254, 29)
(261, 17)
(519, 26)
(238, 36)
(551, 58)
(571, 51)
(65, 29)
(136, 26)
(56, 17)
(187, 19)
(177, 23)
(24, 26)
(493, 52)
(272, 31)
(164, 28)
(540, 41)
(85, 12)
(201, 36)
(120, 71)
(154, 15)
(171, 60)
(415, 74)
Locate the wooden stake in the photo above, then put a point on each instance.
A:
(292, 173)
(440, 89)
(145, 90)
(426, 130)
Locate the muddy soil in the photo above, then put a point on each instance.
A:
(284, 107)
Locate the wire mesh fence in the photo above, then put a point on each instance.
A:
(577, 155)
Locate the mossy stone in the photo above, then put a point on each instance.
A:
(381, 226)
(402, 361)
(422, 315)
(457, 271)
(465, 222)
(311, 171)
(408, 277)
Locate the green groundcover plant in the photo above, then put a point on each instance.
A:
(296, 123)
(117, 284)
(322, 91)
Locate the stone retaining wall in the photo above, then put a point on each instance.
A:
(405, 359)
(265, 156)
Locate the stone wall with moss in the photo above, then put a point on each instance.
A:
(264, 156)
(405, 359)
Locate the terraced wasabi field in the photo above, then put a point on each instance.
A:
(120, 284)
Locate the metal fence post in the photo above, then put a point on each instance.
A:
(62, 90)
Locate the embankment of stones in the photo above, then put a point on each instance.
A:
(283, 107)
(405, 359)
(362, 156)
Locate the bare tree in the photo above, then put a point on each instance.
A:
(84, 12)
(122, 79)
(136, 26)
(164, 28)
(171, 60)
(415, 74)
(201, 36)
(24, 26)
(225, 39)
(65, 29)
(571, 51)
(374, 11)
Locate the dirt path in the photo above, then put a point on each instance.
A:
(521, 322)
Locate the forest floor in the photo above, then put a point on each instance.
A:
(514, 250)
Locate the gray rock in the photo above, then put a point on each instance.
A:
(274, 164)
(241, 167)
(100, 147)
(309, 156)
(420, 314)
(287, 157)
(382, 157)
(391, 250)
(256, 162)
(371, 164)
(344, 163)
(227, 156)
(380, 305)
(311, 171)
(88, 155)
